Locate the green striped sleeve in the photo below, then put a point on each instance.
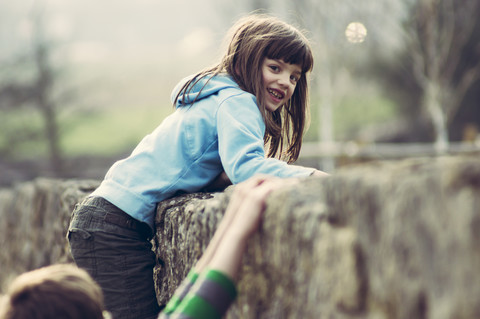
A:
(223, 280)
(210, 298)
(181, 292)
(195, 307)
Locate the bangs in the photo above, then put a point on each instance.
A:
(293, 50)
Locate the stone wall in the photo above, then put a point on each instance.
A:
(380, 240)
(383, 240)
(34, 219)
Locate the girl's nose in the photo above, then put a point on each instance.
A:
(284, 80)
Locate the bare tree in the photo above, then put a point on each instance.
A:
(43, 86)
(437, 34)
(36, 92)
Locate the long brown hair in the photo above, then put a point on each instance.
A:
(252, 39)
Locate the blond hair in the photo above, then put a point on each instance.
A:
(57, 291)
(252, 39)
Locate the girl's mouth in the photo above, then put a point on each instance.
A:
(276, 94)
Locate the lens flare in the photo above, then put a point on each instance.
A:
(356, 32)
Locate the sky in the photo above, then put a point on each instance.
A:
(98, 30)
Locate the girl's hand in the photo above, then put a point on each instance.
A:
(319, 173)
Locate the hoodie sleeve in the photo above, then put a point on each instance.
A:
(241, 128)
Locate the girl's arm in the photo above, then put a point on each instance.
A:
(240, 130)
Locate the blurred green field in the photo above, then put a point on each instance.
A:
(111, 132)
(103, 132)
(351, 114)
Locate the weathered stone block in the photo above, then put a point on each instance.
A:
(34, 220)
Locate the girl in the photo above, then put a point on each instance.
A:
(225, 117)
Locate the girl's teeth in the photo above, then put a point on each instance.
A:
(275, 94)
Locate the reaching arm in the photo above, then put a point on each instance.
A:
(241, 219)
(218, 267)
(241, 130)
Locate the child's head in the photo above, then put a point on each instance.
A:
(256, 37)
(253, 39)
(250, 41)
(58, 291)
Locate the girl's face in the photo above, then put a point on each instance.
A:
(279, 81)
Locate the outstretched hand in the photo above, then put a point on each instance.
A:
(247, 205)
(242, 218)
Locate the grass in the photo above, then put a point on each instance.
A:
(19, 134)
(352, 113)
(357, 112)
(110, 131)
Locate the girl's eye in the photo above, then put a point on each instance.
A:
(274, 68)
(294, 78)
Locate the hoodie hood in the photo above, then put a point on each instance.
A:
(206, 87)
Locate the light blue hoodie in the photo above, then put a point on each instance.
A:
(223, 130)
